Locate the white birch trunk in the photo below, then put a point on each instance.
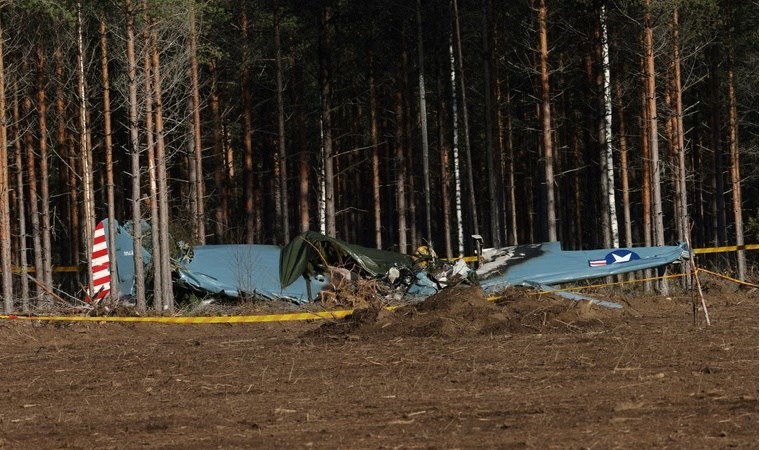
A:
(610, 168)
(455, 151)
(322, 200)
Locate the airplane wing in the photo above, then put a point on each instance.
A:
(547, 264)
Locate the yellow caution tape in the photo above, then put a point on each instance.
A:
(59, 269)
(729, 248)
(725, 277)
(286, 317)
(321, 315)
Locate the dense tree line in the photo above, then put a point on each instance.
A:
(387, 124)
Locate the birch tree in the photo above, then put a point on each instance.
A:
(327, 188)
(455, 151)
(609, 168)
(465, 122)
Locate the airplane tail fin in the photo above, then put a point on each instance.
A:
(101, 266)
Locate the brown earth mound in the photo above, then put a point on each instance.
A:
(466, 311)
(530, 311)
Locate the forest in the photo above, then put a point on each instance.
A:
(393, 124)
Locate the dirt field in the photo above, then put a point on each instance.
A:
(453, 372)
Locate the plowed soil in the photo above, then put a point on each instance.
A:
(456, 371)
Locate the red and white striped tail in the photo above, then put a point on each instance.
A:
(101, 272)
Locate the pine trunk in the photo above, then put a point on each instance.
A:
(409, 161)
(85, 152)
(375, 145)
(20, 195)
(651, 97)
(248, 172)
(155, 225)
(624, 181)
(424, 127)
(680, 151)
(303, 152)
(510, 171)
(547, 124)
(68, 174)
(108, 144)
(282, 156)
(33, 177)
(400, 165)
(217, 134)
(134, 141)
(494, 201)
(736, 188)
(718, 183)
(445, 170)
(199, 214)
(163, 184)
(46, 277)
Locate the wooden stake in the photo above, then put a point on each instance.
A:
(695, 271)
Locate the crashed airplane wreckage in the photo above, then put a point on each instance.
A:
(302, 269)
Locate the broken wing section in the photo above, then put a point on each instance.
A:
(548, 264)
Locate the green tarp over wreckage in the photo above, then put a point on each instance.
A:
(316, 249)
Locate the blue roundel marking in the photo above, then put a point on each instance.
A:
(621, 256)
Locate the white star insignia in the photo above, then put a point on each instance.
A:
(621, 259)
